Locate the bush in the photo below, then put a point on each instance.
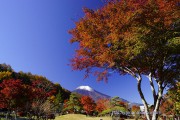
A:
(108, 112)
(21, 114)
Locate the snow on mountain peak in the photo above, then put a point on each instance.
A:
(85, 88)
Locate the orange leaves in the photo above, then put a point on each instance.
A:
(167, 107)
(81, 63)
(124, 33)
(135, 108)
(102, 104)
(88, 104)
(88, 12)
(135, 37)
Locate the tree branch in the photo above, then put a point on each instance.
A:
(129, 71)
(152, 87)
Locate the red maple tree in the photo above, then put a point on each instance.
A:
(102, 104)
(88, 104)
(12, 93)
(135, 37)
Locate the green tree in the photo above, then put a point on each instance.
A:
(131, 37)
(59, 98)
(116, 101)
(118, 104)
(25, 77)
(61, 95)
(74, 104)
(5, 67)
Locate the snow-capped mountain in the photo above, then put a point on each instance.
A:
(88, 91)
(85, 88)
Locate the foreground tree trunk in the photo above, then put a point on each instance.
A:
(143, 98)
(158, 101)
(157, 97)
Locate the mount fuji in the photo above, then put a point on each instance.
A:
(88, 91)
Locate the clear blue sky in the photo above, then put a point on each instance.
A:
(34, 38)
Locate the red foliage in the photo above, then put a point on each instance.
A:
(88, 104)
(122, 104)
(14, 93)
(168, 106)
(11, 91)
(102, 104)
(65, 104)
(42, 89)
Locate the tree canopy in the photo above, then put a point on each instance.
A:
(129, 37)
(139, 37)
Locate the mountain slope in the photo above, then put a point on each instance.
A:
(88, 91)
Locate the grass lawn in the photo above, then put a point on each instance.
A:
(80, 117)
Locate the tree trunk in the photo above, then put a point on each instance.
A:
(143, 98)
(158, 101)
(152, 88)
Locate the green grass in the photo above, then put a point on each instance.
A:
(80, 117)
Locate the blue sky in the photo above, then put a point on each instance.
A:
(34, 38)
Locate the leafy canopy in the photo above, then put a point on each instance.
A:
(130, 36)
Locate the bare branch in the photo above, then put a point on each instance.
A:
(129, 71)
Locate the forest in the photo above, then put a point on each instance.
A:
(29, 95)
(34, 96)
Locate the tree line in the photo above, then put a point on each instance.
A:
(79, 104)
(28, 94)
(35, 96)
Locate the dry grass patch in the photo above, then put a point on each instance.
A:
(80, 117)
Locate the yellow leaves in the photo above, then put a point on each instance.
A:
(52, 98)
(174, 44)
(5, 75)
